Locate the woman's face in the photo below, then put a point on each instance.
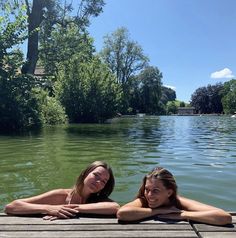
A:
(156, 194)
(96, 180)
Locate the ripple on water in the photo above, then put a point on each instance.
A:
(199, 151)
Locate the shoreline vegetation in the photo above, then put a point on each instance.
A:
(62, 79)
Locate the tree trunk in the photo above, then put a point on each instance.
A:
(35, 18)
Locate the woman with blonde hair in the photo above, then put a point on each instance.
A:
(158, 197)
(90, 195)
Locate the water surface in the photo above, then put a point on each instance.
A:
(199, 151)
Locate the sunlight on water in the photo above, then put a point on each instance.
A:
(199, 151)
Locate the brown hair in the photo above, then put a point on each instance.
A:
(108, 188)
(168, 181)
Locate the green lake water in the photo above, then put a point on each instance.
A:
(199, 151)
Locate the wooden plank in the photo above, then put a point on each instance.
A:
(211, 231)
(17, 227)
(36, 220)
(92, 234)
(108, 227)
(79, 220)
(218, 234)
(205, 227)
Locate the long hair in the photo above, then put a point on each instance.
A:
(108, 188)
(168, 181)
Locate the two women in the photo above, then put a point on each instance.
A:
(157, 196)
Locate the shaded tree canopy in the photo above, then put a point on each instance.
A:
(208, 99)
(168, 94)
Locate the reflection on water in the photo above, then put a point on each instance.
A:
(199, 151)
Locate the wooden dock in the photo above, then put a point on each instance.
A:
(32, 227)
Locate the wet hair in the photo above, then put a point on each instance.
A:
(168, 182)
(105, 192)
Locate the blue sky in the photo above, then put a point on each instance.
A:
(192, 42)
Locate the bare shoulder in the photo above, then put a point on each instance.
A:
(61, 191)
(193, 205)
(56, 196)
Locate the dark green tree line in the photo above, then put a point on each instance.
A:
(229, 97)
(207, 100)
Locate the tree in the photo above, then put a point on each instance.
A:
(123, 56)
(172, 107)
(19, 107)
(64, 34)
(215, 98)
(62, 45)
(150, 88)
(12, 33)
(168, 94)
(208, 99)
(88, 91)
(229, 96)
(35, 17)
(200, 100)
(21, 95)
(52, 12)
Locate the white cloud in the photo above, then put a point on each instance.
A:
(224, 73)
(171, 87)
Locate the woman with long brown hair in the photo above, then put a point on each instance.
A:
(89, 195)
(158, 197)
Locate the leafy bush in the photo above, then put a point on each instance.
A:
(229, 97)
(19, 107)
(88, 91)
(52, 111)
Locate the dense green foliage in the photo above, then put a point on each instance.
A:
(63, 43)
(12, 32)
(19, 103)
(229, 97)
(217, 98)
(168, 94)
(88, 91)
(150, 90)
(52, 112)
(208, 99)
(171, 108)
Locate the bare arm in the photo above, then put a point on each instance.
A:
(134, 211)
(106, 208)
(201, 212)
(51, 203)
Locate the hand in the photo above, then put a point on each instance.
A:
(50, 218)
(61, 211)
